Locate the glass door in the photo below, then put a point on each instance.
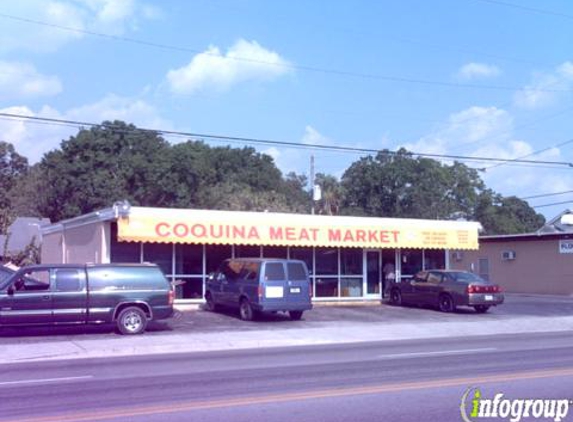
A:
(373, 273)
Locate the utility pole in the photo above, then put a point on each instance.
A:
(312, 183)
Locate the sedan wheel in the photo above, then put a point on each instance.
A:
(446, 304)
(396, 297)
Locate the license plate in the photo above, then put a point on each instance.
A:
(488, 297)
(274, 292)
(295, 289)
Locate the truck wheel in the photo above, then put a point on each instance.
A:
(295, 315)
(131, 320)
(245, 310)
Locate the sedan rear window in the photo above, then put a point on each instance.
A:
(463, 277)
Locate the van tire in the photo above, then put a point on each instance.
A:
(295, 315)
(246, 310)
(131, 320)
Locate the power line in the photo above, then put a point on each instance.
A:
(552, 204)
(528, 155)
(259, 141)
(527, 8)
(544, 195)
(371, 76)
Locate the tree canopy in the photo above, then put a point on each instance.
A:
(116, 161)
(13, 167)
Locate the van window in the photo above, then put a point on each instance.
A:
(232, 269)
(251, 271)
(296, 271)
(274, 271)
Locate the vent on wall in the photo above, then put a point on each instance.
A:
(508, 255)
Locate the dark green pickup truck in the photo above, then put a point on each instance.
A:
(128, 295)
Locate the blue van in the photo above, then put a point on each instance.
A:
(255, 285)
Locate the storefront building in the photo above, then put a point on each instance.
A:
(349, 258)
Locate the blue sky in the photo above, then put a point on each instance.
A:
(466, 77)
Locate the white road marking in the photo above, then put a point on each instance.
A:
(438, 352)
(46, 380)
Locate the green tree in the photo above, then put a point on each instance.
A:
(13, 167)
(400, 185)
(104, 164)
(331, 194)
(509, 215)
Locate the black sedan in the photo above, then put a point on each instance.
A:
(447, 289)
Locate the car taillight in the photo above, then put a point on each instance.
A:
(171, 296)
(473, 289)
(261, 290)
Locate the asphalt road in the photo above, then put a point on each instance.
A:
(199, 320)
(419, 380)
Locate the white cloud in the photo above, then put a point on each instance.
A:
(475, 125)
(314, 137)
(33, 140)
(22, 80)
(113, 107)
(472, 71)
(545, 88)
(489, 132)
(112, 17)
(211, 70)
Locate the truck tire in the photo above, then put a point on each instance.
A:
(131, 320)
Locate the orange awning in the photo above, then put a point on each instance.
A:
(167, 225)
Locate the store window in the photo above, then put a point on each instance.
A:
(326, 287)
(412, 262)
(160, 254)
(434, 260)
(304, 254)
(351, 261)
(275, 252)
(123, 251)
(215, 254)
(247, 251)
(190, 287)
(350, 287)
(188, 259)
(326, 261)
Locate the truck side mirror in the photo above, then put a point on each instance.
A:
(11, 290)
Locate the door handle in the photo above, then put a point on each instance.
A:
(45, 297)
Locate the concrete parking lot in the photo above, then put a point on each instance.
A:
(194, 319)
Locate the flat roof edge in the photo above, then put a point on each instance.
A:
(107, 214)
